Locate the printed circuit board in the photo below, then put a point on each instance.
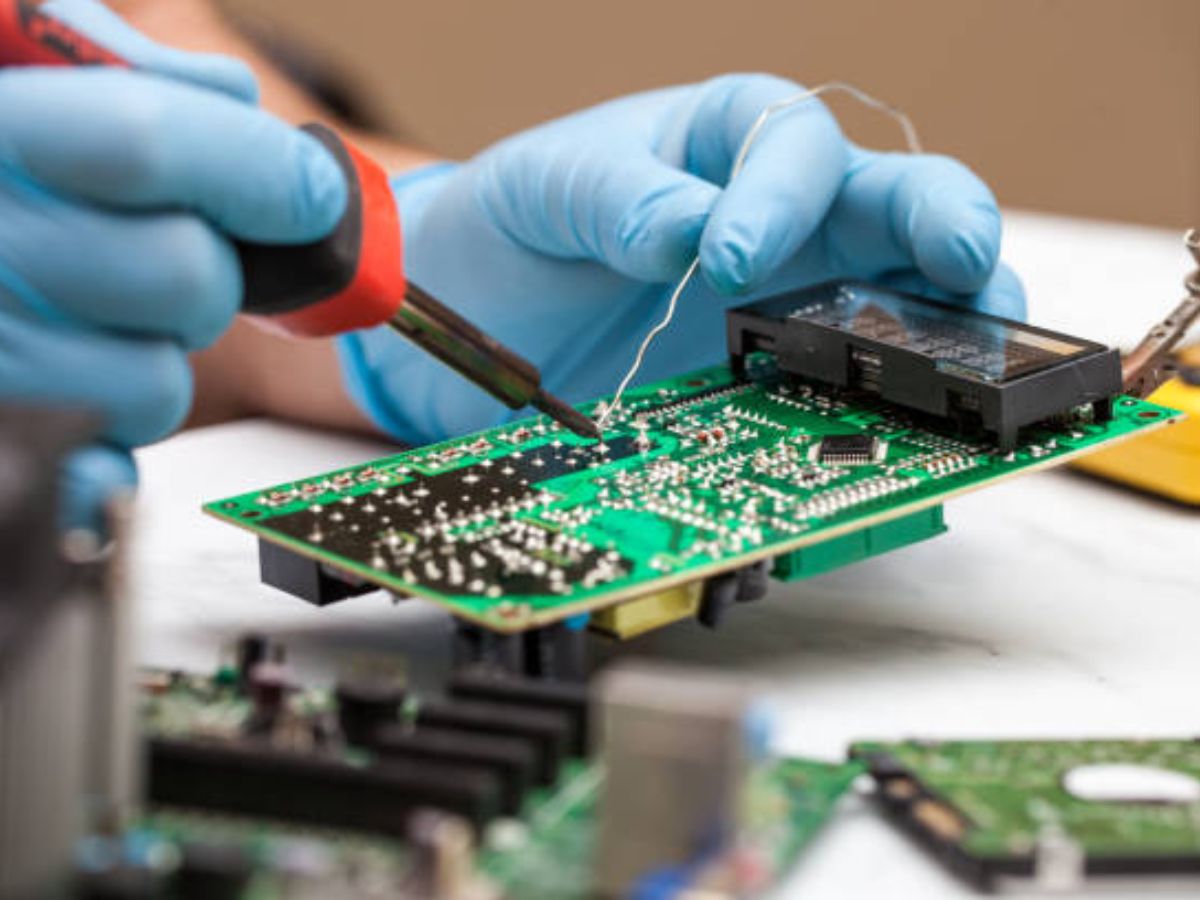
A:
(556, 857)
(526, 524)
(1059, 810)
(543, 846)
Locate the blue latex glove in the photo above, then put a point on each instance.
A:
(564, 241)
(119, 193)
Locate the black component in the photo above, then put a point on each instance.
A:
(978, 372)
(475, 645)
(547, 731)
(367, 704)
(412, 505)
(556, 652)
(303, 577)
(250, 779)
(512, 760)
(882, 765)
(251, 650)
(120, 883)
(568, 698)
(213, 872)
(719, 593)
(270, 682)
(754, 581)
(281, 278)
(847, 449)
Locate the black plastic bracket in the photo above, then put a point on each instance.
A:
(306, 578)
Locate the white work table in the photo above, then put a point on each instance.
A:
(1055, 605)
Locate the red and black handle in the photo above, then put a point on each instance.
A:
(352, 279)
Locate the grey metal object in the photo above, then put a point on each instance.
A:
(676, 756)
(510, 378)
(67, 756)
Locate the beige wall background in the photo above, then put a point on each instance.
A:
(1086, 107)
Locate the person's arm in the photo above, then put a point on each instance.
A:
(250, 371)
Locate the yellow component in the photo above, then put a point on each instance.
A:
(1166, 461)
(628, 620)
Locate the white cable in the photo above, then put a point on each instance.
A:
(910, 139)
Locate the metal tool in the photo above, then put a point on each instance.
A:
(350, 280)
(510, 378)
(1151, 363)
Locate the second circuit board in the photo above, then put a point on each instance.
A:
(1002, 809)
(526, 524)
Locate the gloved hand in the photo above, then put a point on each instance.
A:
(119, 196)
(564, 242)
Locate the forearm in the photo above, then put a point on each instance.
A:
(251, 371)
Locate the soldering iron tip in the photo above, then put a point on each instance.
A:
(566, 415)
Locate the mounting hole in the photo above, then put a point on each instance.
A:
(1131, 783)
(1148, 414)
(251, 513)
(696, 382)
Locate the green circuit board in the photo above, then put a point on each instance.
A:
(552, 859)
(991, 807)
(526, 524)
(547, 854)
(544, 853)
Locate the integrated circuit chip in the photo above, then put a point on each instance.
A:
(849, 450)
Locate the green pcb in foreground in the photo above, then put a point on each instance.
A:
(526, 524)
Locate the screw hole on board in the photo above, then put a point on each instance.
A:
(251, 514)
(1148, 414)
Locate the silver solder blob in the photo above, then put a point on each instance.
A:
(910, 138)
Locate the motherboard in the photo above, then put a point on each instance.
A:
(704, 473)
(267, 788)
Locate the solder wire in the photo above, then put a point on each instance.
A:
(910, 138)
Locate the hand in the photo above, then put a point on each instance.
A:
(120, 193)
(564, 241)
